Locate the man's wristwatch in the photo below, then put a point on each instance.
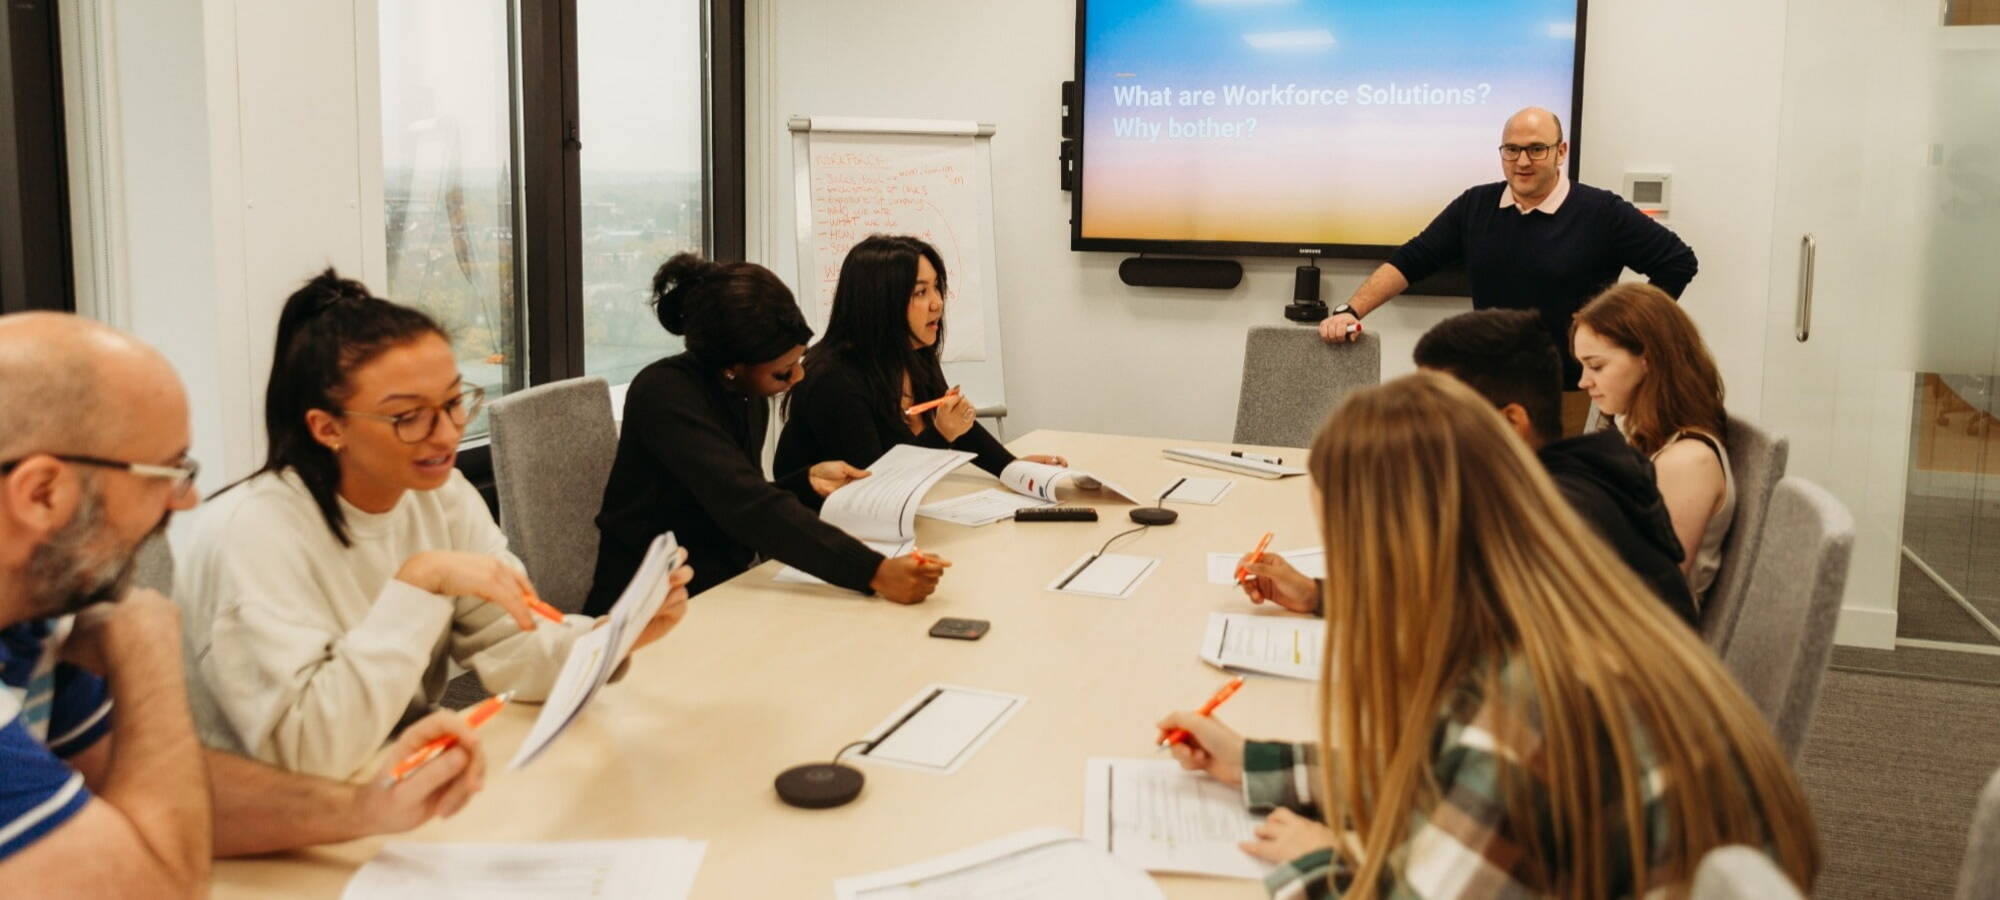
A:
(1344, 309)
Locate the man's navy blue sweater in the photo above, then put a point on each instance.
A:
(1551, 263)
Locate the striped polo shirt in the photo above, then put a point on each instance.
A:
(52, 710)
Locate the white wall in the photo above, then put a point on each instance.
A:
(179, 300)
(1686, 87)
(1693, 88)
(252, 160)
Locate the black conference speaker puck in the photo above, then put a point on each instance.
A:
(1153, 515)
(819, 785)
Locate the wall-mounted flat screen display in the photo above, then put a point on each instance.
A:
(1275, 127)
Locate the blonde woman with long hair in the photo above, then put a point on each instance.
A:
(1506, 711)
(1644, 363)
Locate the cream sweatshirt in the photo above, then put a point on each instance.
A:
(308, 655)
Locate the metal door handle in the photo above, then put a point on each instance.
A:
(1802, 316)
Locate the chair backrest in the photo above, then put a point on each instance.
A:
(1979, 876)
(1758, 460)
(1292, 379)
(552, 452)
(1741, 873)
(153, 568)
(1785, 632)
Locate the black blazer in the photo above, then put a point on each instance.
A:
(836, 413)
(689, 461)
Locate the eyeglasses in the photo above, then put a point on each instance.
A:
(417, 425)
(1537, 152)
(182, 473)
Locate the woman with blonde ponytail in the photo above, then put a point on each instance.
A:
(1506, 711)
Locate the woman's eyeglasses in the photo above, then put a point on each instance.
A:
(417, 425)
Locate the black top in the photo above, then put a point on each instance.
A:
(836, 413)
(1610, 484)
(689, 462)
(1552, 263)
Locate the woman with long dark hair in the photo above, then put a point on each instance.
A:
(689, 458)
(328, 594)
(1504, 709)
(878, 359)
(1645, 364)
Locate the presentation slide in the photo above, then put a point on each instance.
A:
(1304, 121)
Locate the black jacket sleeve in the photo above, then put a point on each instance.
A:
(1442, 243)
(799, 484)
(992, 455)
(676, 428)
(1650, 249)
(837, 416)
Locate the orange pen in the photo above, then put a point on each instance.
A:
(438, 746)
(1178, 735)
(929, 405)
(1256, 555)
(918, 555)
(541, 607)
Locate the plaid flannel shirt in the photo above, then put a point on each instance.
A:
(1461, 842)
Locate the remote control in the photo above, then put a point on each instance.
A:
(1055, 514)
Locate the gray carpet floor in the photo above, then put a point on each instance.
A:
(1924, 610)
(1893, 766)
(1960, 540)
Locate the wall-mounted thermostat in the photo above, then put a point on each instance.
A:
(1650, 192)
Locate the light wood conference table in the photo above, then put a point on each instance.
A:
(763, 676)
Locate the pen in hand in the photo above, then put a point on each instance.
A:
(541, 607)
(437, 746)
(1256, 556)
(1170, 738)
(929, 405)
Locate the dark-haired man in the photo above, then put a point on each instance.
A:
(104, 790)
(1533, 241)
(1508, 358)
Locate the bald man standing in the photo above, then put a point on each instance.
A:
(104, 790)
(1533, 241)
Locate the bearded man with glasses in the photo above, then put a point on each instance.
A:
(1534, 240)
(104, 789)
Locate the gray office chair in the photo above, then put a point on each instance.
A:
(1979, 876)
(997, 412)
(1292, 380)
(154, 565)
(1741, 873)
(552, 452)
(1784, 634)
(1758, 461)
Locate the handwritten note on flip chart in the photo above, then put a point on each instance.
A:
(918, 184)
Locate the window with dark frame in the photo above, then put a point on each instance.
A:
(35, 245)
(541, 159)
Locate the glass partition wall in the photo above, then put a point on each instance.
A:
(1883, 339)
